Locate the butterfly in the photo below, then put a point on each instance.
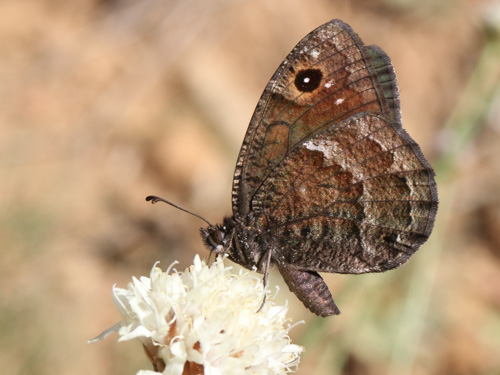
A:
(327, 180)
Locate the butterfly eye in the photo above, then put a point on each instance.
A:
(308, 80)
(215, 241)
(217, 237)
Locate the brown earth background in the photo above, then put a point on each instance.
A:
(103, 102)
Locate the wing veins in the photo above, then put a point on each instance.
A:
(296, 221)
(322, 98)
(273, 209)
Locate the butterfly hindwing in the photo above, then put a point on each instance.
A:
(357, 197)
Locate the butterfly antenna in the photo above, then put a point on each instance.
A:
(154, 199)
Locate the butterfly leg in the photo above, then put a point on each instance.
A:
(238, 252)
(230, 243)
(310, 288)
(264, 280)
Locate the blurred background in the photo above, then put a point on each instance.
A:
(103, 102)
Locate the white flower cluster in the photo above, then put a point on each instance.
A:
(205, 320)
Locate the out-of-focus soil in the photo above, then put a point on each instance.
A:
(103, 102)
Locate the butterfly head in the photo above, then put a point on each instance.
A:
(218, 238)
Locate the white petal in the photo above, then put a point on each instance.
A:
(209, 316)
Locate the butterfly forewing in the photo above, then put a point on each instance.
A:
(328, 77)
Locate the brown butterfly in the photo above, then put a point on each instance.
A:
(327, 180)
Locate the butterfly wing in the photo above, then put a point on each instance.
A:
(357, 197)
(326, 172)
(328, 77)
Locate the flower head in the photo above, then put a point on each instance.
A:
(206, 320)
